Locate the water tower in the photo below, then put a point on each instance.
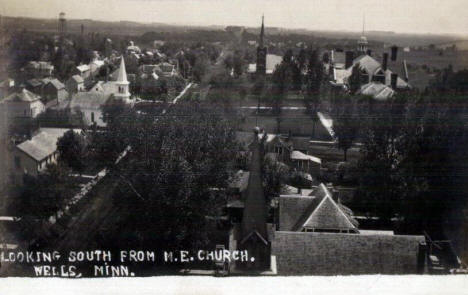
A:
(62, 25)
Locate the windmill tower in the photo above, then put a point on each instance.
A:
(62, 25)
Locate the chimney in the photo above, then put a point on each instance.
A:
(385, 61)
(349, 57)
(394, 78)
(394, 52)
(369, 52)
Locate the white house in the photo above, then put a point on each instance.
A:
(32, 156)
(23, 104)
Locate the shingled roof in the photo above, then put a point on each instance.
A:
(44, 143)
(23, 95)
(318, 211)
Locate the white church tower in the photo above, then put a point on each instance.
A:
(122, 84)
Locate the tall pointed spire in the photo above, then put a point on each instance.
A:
(262, 32)
(363, 24)
(122, 74)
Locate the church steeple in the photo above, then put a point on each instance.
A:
(122, 74)
(122, 83)
(362, 42)
(261, 52)
(262, 32)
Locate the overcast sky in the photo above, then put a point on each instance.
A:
(420, 16)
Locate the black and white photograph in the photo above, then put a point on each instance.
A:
(234, 147)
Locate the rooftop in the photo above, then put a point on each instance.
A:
(44, 143)
(22, 96)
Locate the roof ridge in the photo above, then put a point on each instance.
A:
(327, 196)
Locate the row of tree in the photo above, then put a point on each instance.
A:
(175, 175)
(413, 161)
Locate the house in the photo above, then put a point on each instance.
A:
(34, 85)
(306, 163)
(94, 66)
(23, 104)
(132, 48)
(272, 60)
(39, 69)
(32, 156)
(75, 84)
(53, 92)
(318, 236)
(90, 102)
(292, 152)
(390, 72)
(83, 71)
(166, 69)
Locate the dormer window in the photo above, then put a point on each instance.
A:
(379, 76)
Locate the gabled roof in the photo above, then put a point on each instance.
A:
(327, 214)
(77, 78)
(367, 63)
(82, 68)
(44, 143)
(56, 84)
(377, 90)
(88, 100)
(22, 96)
(297, 155)
(34, 82)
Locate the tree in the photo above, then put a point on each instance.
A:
(176, 174)
(274, 175)
(42, 196)
(314, 82)
(355, 79)
(200, 68)
(281, 80)
(72, 150)
(346, 126)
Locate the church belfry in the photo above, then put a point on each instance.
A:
(261, 52)
(122, 83)
(362, 42)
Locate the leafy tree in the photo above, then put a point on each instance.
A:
(281, 80)
(274, 175)
(314, 82)
(346, 126)
(42, 196)
(175, 175)
(72, 150)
